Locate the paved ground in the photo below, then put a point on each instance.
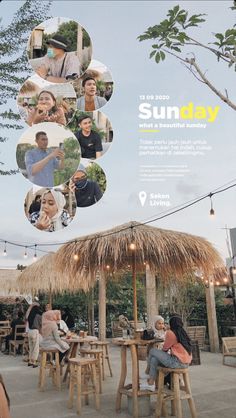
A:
(213, 387)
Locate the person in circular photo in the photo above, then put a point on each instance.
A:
(48, 154)
(94, 133)
(50, 209)
(59, 50)
(46, 102)
(88, 184)
(95, 88)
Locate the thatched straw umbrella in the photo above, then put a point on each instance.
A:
(41, 276)
(168, 254)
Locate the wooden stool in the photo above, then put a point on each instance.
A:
(174, 395)
(105, 354)
(81, 371)
(49, 361)
(97, 354)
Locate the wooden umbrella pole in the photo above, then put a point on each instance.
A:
(50, 296)
(135, 310)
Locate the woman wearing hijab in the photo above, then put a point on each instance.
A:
(46, 110)
(4, 401)
(52, 215)
(175, 354)
(50, 333)
(35, 324)
(159, 327)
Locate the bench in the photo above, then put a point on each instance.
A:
(228, 349)
(197, 333)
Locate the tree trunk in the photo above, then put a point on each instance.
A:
(91, 312)
(151, 298)
(102, 307)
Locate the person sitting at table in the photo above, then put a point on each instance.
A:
(159, 327)
(178, 343)
(68, 318)
(50, 334)
(11, 336)
(61, 325)
(4, 400)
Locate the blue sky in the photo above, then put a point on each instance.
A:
(114, 36)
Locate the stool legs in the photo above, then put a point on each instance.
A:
(190, 400)
(177, 400)
(79, 382)
(71, 386)
(160, 394)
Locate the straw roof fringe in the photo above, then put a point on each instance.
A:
(41, 276)
(168, 253)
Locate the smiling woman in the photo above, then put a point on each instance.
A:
(46, 110)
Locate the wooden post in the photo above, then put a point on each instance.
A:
(151, 299)
(135, 309)
(211, 316)
(102, 306)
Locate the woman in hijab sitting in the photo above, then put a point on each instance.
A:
(50, 333)
(52, 215)
(175, 354)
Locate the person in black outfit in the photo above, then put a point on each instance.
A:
(35, 205)
(68, 318)
(11, 336)
(89, 140)
(87, 192)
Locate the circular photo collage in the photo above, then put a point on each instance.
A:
(66, 131)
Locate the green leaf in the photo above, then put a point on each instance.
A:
(157, 57)
(176, 48)
(152, 53)
(163, 55)
(219, 36)
(156, 46)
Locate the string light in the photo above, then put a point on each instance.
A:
(35, 253)
(75, 256)
(107, 267)
(234, 270)
(132, 246)
(217, 283)
(225, 279)
(25, 254)
(212, 212)
(5, 249)
(164, 214)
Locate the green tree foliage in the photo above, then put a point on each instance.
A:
(95, 172)
(14, 68)
(69, 30)
(172, 37)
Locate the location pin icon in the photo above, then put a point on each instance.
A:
(142, 197)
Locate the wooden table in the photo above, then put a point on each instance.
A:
(131, 389)
(74, 344)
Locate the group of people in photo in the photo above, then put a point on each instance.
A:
(45, 158)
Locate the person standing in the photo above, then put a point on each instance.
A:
(35, 325)
(40, 162)
(89, 140)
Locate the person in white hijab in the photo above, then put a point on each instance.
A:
(159, 327)
(52, 215)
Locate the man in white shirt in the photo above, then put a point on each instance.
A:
(59, 66)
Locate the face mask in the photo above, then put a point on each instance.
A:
(80, 184)
(50, 53)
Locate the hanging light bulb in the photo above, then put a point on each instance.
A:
(107, 267)
(75, 256)
(35, 253)
(5, 249)
(234, 270)
(225, 279)
(25, 254)
(132, 246)
(212, 212)
(217, 283)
